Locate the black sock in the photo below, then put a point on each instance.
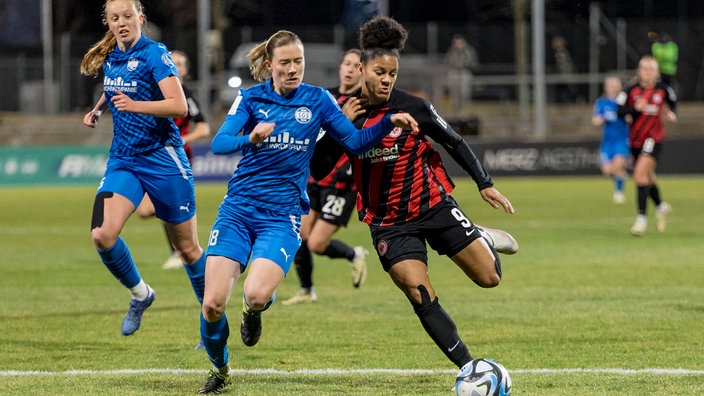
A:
(655, 194)
(440, 327)
(339, 249)
(643, 193)
(304, 265)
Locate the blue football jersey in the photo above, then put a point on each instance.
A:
(136, 73)
(273, 173)
(615, 129)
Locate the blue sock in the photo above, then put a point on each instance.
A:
(619, 183)
(196, 273)
(214, 336)
(119, 262)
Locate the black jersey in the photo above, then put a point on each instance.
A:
(402, 177)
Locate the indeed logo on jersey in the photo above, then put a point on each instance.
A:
(381, 154)
(284, 141)
(118, 84)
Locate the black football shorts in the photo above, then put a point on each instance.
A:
(444, 227)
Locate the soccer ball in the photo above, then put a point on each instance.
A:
(483, 377)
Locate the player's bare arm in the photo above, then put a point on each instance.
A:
(496, 199)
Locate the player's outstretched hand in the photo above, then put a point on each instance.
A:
(261, 131)
(496, 199)
(405, 121)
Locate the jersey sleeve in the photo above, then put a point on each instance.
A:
(162, 64)
(624, 107)
(436, 128)
(343, 130)
(228, 139)
(671, 98)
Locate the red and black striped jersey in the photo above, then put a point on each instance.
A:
(403, 176)
(329, 151)
(648, 123)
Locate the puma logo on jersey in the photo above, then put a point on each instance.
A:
(284, 252)
(185, 207)
(266, 113)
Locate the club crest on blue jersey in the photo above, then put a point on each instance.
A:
(303, 115)
(166, 58)
(132, 64)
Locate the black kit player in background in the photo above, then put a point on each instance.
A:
(404, 192)
(332, 198)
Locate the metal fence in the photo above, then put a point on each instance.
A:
(597, 46)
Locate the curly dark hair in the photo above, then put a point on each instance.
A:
(381, 36)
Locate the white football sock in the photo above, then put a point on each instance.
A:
(141, 291)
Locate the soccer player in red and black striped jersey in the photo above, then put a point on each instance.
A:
(332, 198)
(404, 192)
(645, 102)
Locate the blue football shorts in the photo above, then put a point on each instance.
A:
(164, 173)
(609, 150)
(244, 232)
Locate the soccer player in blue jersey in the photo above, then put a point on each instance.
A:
(332, 198)
(258, 223)
(200, 130)
(614, 150)
(142, 90)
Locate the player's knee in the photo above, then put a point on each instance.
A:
(488, 280)
(189, 251)
(212, 309)
(102, 238)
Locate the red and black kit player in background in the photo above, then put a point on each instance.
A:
(332, 198)
(201, 130)
(404, 192)
(645, 102)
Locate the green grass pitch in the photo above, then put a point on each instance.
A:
(584, 308)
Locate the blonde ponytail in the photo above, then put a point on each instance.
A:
(257, 66)
(94, 58)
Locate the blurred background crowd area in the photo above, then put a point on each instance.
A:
(600, 37)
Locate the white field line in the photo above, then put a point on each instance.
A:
(617, 371)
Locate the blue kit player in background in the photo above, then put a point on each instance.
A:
(614, 150)
(142, 90)
(258, 223)
(201, 130)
